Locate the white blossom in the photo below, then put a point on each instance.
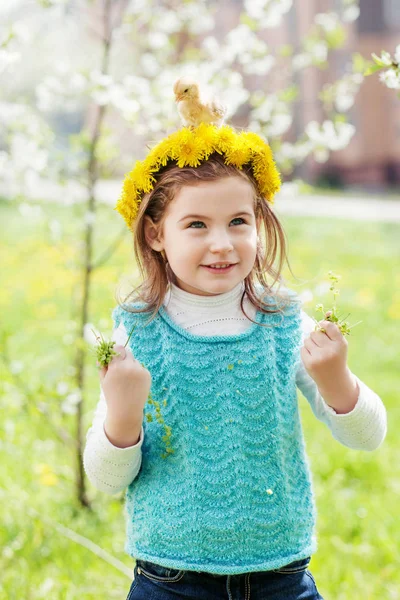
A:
(69, 406)
(196, 16)
(267, 13)
(8, 58)
(21, 32)
(294, 152)
(279, 124)
(351, 13)
(346, 90)
(259, 67)
(328, 136)
(274, 114)
(149, 64)
(391, 78)
(384, 59)
(301, 61)
(168, 21)
(319, 51)
(328, 21)
(157, 40)
(138, 6)
(242, 41)
(62, 388)
(397, 55)
(137, 85)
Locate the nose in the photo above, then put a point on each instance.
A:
(221, 243)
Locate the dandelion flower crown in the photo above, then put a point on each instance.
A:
(190, 146)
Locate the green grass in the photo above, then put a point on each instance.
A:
(357, 492)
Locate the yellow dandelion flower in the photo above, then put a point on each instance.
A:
(188, 149)
(142, 176)
(266, 173)
(253, 140)
(208, 135)
(270, 184)
(160, 154)
(128, 209)
(129, 200)
(129, 188)
(226, 137)
(238, 154)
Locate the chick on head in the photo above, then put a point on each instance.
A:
(186, 88)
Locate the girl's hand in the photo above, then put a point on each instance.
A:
(126, 385)
(324, 356)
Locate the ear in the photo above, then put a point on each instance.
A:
(151, 232)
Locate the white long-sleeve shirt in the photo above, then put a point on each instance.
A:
(111, 469)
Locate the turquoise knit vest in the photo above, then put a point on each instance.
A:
(235, 494)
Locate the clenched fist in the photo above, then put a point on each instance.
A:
(126, 385)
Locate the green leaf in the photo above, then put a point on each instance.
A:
(372, 69)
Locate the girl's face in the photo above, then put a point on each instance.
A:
(212, 222)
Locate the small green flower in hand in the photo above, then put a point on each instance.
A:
(105, 350)
(331, 315)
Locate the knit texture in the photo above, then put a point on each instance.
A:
(236, 494)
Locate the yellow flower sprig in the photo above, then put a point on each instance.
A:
(331, 315)
(190, 146)
(167, 437)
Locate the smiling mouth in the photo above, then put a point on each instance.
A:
(219, 269)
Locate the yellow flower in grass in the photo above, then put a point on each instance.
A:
(46, 474)
(187, 149)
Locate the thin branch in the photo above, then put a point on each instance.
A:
(109, 251)
(85, 542)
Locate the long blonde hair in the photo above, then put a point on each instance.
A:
(155, 271)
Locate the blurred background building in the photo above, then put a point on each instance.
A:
(372, 159)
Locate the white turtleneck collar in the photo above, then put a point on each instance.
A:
(205, 315)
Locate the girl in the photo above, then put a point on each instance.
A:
(198, 415)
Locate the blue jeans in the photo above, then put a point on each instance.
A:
(291, 582)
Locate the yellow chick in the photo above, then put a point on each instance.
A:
(192, 109)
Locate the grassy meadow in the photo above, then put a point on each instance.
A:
(357, 493)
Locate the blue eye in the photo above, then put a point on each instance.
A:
(193, 222)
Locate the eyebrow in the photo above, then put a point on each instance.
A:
(207, 218)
